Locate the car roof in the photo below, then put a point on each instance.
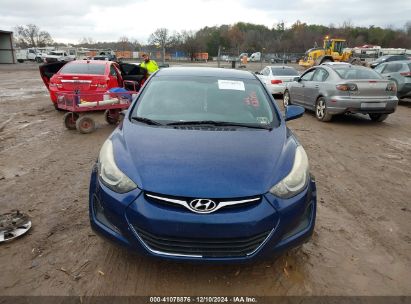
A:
(204, 71)
(389, 56)
(397, 61)
(91, 61)
(281, 66)
(335, 63)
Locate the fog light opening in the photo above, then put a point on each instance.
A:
(304, 223)
(101, 217)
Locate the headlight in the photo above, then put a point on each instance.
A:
(297, 179)
(110, 174)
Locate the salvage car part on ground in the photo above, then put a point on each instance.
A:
(13, 224)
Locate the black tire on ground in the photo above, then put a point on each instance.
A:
(321, 110)
(112, 116)
(39, 60)
(20, 60)
(378, 117)
(286, 98)
(70, 119)
(85, 124)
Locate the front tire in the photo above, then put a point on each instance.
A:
(321, 111)
(378, 117)
(286, 98)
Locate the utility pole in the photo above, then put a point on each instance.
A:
(261, 59)
(218, 55)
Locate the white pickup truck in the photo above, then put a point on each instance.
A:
(31, 54)
(58, 56)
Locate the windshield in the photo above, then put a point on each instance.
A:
(196, 99)
(284, 72)
(83, 68)
(356, 73)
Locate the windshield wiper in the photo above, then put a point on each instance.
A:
(219, 124)
(146, 120)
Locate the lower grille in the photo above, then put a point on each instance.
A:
(216, 248)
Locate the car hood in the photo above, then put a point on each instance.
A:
(203, 163)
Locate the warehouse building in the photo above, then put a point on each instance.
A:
(7, 54)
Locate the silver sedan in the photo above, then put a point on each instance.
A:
(337, 88)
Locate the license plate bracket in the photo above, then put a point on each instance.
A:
(368, 105)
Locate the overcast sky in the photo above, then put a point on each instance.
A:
(107, 20)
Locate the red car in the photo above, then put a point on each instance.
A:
(90, 77)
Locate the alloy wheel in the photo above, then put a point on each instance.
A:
(320, 109)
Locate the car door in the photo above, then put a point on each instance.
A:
(133, 74)
(312, 88)
(298, 88)
(114, 80)
(47, 71)
(391, 69)
(380, 68)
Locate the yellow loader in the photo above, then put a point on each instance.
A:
(333, 50)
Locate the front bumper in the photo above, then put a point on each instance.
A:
(264, 229)
(343, 104)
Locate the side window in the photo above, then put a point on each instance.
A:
(320, 75)
(393, 67)
(404, 68)
(307, 76)
(113, 71)
(380, 68)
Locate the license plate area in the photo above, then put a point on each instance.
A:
(368, 105)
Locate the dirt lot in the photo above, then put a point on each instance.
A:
(361, 245)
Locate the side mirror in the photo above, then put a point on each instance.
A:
(257, 73)
(293, 112)
(297, 78)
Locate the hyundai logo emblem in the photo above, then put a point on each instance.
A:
(202, 205)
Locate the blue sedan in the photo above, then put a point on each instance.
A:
(203, 168)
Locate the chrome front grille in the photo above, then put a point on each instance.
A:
(202, 205)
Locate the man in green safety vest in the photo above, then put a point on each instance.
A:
(150, 65)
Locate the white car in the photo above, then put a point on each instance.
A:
(276, 77)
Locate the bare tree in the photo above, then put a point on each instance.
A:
(87, 40)
(30, 35)
(161, 38)
(125, 44)
(136, 44)
(407, 28)
(189, 42)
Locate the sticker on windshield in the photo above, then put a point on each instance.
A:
(263, 120)
(231, 85)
